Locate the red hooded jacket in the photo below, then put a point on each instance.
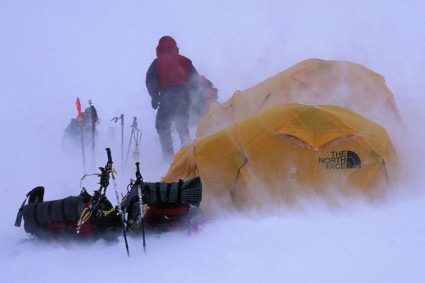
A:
(169, 68)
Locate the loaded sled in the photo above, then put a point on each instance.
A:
(156, 206)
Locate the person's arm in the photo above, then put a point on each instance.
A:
(152, 83)
(152, 80)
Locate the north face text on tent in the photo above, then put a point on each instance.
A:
(344, 159)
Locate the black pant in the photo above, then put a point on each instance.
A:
(174, 106)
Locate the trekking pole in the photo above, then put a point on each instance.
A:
(140, 184)
(93, 134)
(99, 195)
(133, 128)
(111, 171)
(80, 123)
(137, 137)
(122, 142)
(115, 119)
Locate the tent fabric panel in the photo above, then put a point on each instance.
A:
(313, 82)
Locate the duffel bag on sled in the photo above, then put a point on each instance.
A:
(60, 218)
(166, 206)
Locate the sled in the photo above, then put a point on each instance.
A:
(162, 206)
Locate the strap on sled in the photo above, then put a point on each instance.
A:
(36, 195)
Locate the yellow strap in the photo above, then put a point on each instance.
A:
(85, 215)
(106, 212)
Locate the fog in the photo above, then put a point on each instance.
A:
(52, 52)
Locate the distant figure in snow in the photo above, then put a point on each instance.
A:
(170, 79)
(72, 134)
(202, 99)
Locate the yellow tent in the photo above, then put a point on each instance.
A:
(313, 82)
(287, 151)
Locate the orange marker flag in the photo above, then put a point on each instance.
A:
(80, 115)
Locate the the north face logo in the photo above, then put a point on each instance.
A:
(345, 159)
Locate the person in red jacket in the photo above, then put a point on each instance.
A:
(170, 79)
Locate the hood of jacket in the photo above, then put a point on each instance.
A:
(166, 44)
